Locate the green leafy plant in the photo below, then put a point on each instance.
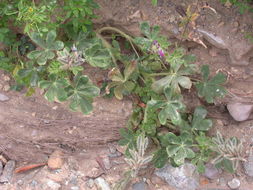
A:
(122, 83)
(136, 161)
(229, 152)
(49, 46)
(81, 94)
(170, 108)
(33, 16)
(78, 13)
(55, 88)
(178, 147)
(211, 88)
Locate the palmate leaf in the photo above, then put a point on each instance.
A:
(160, 158)
(199, 122)
(97, 56)
(48, 45)
(177, 147)
(55, 88)
(171, 108)
(178, 75)
(30, 74)
(81, 94)
(122, 83)
(211, 88)
(151, 34)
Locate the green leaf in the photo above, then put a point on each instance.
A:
(171, 108)
(210, 89)
(55, 88)
(154, 2)
(30, 74)
(145, 29)
(81, 94)
(199, 122)
(160, 158)
(48, 45)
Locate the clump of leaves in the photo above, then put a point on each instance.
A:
(81, 94)
(49, 46)
(122, 83)
(136, 161)
(229, 152)
(211, 88)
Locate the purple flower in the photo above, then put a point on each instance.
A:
(155, 42)
(160, 52)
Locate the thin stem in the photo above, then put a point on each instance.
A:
(129, 38)
(109, 47)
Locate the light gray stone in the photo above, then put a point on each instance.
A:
(101, 183)
(3, 97)
(7, 172)
(184, 177)
(248, 165)
(211, 172)
(53, 185)
(234, 183)
(239, 111)
(140, 186)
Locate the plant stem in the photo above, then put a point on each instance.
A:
(129, 38)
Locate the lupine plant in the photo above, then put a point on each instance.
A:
(155, 75)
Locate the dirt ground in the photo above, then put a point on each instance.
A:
(32, 128)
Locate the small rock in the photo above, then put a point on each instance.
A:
(3, 98)
(1, 167)
(140, 186)
(184, 177)
(211, 172)
(34, 183)
(112, 149)
(6, 78)
(53, 185)
(239, 111)
(115, 155)
(222, 182)
(55, 160)
(101, 183)
(248, 165)
(236, 24)
(74, 188)
(6, 88)
(234, 183)
(90, 183)
(107, 162)
(7, 172)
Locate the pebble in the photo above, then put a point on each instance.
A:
(53, 185)
(90, 183)
(239, 111)
(6, 88)
(74, 188)
(3, 98)
(140, 186)
(1, 167)
(107, 163)
(55, 160)
(101, 183)
(234, 183)
(6, 78)
(7, 172)
(248, 165)
(211, 172)
(184, 177)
